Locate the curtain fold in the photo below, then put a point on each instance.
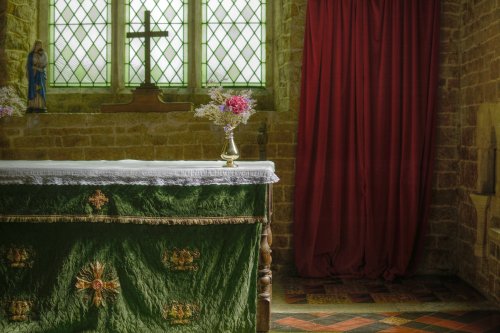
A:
(365, 136)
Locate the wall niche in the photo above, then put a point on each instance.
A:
(486, 199)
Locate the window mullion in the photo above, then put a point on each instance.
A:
(194, 45)
(43, 30)
(118, 45)
(269, 43)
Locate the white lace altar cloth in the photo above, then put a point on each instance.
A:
(133, 172)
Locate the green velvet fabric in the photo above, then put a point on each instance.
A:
(135, 200)
(223, 286)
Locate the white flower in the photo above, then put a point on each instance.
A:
(10, 103)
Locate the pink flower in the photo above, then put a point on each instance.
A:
(237, 104)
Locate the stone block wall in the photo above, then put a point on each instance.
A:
(440, 242)
(479, 85)
(289, 39)
(17, 35)
(3, 33)
(113, 136)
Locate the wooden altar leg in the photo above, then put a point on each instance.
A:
(265, 281)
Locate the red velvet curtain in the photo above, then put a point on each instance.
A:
(365, 138)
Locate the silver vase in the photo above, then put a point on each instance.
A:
(230, 152)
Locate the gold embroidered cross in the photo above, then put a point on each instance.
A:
(98, 199)
(90, 279)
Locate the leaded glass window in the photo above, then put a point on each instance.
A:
(233, 42)
(80, 43)
(169, 55)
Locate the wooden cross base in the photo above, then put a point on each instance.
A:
(147, 99)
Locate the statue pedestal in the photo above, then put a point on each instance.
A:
(146, 98)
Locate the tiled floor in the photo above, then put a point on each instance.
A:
(421, 304)
(420, 289)
(459, 321)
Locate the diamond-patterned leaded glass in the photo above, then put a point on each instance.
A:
(80, 43)
(233, 42)
(168, 54)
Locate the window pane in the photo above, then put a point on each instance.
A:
(168, 54)
(233, 42)
(80, 43)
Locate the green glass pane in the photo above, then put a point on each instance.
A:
(233, 42)
(168, 54)
(80, 44)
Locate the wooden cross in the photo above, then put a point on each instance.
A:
(146, 97)
(147, 34)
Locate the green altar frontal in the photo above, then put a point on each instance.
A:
(126, 256)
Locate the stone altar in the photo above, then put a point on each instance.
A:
(135, 246)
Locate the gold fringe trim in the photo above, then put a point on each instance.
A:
(133, 219)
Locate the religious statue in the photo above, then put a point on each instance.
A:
(35, 72)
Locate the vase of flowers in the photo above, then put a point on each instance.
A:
(228, 110)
